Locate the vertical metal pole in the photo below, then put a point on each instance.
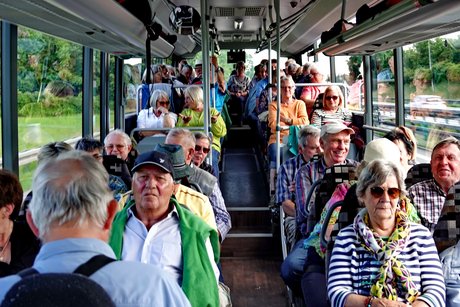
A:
(104, 97)
(88, 113)
(368, 97)
(205, 69)
(118, 94)
(278, 85)
(9, 93)
(332, 70)
(399, 86)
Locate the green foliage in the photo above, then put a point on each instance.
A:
(453, 73)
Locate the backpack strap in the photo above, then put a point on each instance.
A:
(92, 265)
(28, 272)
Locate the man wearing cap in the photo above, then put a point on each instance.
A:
(335, 141)
(198, 72)
(207, 182)
(154, 228)
(197, 202)
(429, 196)
(72, 212)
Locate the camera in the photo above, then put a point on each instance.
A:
(293, 3)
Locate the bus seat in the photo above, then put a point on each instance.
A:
(419, 172)
(323, 189)
(149, 143)
(117, 167)
(447, 230)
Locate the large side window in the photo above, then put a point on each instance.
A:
(432, 90)
(49, 94)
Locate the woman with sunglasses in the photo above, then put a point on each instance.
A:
(158, 115)
(383, 259)
(333, 109)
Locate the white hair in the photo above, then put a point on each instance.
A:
(120, 133)
(71, 188)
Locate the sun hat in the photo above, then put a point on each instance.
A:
(334, 127)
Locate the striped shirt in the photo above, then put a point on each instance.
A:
(320, 117)
(428, 197)
(353, 269)
(286, 177)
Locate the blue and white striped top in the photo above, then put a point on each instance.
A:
(353, 269)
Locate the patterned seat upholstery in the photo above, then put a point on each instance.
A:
(323, 189)
(447, 230)
(418, 173)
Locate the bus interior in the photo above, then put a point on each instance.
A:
(101, 39)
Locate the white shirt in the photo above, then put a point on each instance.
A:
(148, 119)
(160, 246)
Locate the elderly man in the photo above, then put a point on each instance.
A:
(428, 196)
(154, 228)
(118, 143)
(208, 183)
(72, 212)
(309, 146)
(202, 148)
(335, 141)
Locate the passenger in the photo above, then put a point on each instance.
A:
(407, 144)
(429, 196)
(314, 279)
(194, 117)
(202, 147)
(260, 72)
(220, 90)
(208, 183)
(48, 151)
(158, 115)
(309, 146)
(18, 245)
(304, 77)
(335, 141)
(333, 108)
(185, 75)
(96, 148)
(387, 73)
(118, 143)
(72, 212)
(292, 113)
(198, 72)
(238, 86)
(197, 202)
(310, 93)
(450, 259)
(154, 228)
(383, 259)
(158, 81)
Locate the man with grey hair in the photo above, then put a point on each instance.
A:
(335, 141)
(118, 143)
(207, 182)
(429, 196)
(308, 146)
(72, 212)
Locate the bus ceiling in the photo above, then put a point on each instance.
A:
(234, 24)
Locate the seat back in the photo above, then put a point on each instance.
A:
(447, 230)
(419, 172)
(324, 188)
(148, 143)
(117, 167)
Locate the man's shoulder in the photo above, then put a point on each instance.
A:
(422, 186)
(185, 192)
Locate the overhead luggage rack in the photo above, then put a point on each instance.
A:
(402, 24)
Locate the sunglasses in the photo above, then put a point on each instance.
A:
(393, 193)
(332, 97)
(199, 148)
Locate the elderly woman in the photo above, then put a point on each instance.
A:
(193, 116)
(404, 138)
(332, 108)
(292, 112)
(158, 115)
(18, 245)
(238, 86)
(382, 259)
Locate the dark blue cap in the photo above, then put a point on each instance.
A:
(156, 158)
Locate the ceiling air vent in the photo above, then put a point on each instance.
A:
(225, 11)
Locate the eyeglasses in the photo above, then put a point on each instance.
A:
(393, 193)
(112, 146)
(199, 148)
(332, 97)
(163, 102)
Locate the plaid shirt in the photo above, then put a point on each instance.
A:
(429, 199)
(286, 176)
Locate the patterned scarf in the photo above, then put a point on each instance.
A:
(392, 269)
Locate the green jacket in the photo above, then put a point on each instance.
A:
(198, 279)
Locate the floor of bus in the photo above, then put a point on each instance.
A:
(251, 253)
